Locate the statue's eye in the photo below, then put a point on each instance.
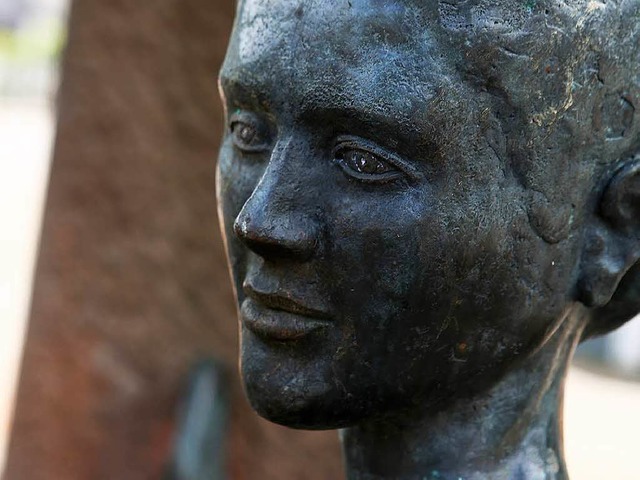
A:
(244, 133)
(366, 162)
(248, 133)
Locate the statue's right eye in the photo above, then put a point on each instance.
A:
(248, 133)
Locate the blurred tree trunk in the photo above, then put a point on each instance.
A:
(131, 287)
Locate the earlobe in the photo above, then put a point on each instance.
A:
(613, 238)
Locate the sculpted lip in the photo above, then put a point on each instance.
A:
(278, 317)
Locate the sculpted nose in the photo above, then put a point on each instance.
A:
(275, 225)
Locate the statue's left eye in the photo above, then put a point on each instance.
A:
(366, 163)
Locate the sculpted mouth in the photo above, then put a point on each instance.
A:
(278, 317)
(284, 302)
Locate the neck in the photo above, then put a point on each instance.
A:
(511, 431)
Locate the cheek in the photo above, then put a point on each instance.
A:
(372, 246)
(382, 274)
(501, 303)
(235, 181)
(437, 286)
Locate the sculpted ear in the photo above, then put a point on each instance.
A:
(621, 201)
(613, 240)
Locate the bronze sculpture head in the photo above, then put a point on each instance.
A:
(427, 205)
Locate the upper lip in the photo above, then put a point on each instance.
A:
(281, 300)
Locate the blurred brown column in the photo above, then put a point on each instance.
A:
(131, 287)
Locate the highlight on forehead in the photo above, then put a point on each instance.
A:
(544, 57)
(331, 26)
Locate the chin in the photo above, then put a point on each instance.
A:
(313, 406)
(298, 391)
(308, 414)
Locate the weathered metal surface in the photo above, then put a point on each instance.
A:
(427, 204)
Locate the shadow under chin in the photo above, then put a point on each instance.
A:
(304, 409)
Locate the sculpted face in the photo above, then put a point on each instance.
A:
(398, 228)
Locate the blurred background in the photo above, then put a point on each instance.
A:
(31, 38)
(103, 326)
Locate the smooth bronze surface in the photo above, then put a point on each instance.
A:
(426, 206)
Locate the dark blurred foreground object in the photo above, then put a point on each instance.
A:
(199, 443)
(131, 288)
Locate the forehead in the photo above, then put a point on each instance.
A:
(373, 56)
(366, 44)
(347, 29)
(352, 29)
(510, 74)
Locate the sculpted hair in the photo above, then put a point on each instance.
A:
(554, 64)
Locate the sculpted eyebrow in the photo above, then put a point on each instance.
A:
(373, 118)
(242, 88)
(347, 114)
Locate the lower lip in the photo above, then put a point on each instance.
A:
(278, 325)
